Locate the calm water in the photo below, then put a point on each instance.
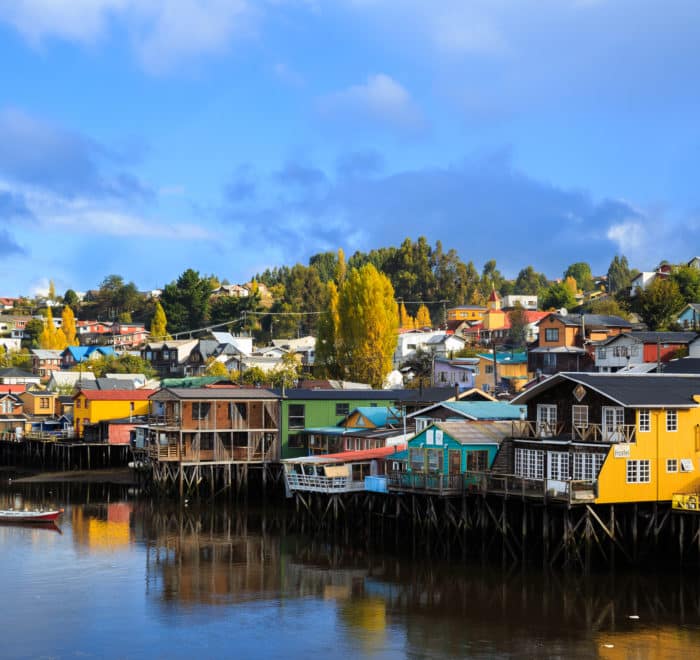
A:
(124, 579)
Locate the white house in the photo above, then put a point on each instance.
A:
(527, 302)
(409, 342)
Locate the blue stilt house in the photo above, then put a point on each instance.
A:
(447, 457)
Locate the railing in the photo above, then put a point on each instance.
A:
(422, 481)
(319, 484)
(164, 420)
(599, 433)
(591, 433)
(569, 490)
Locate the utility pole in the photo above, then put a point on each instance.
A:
(495, 367)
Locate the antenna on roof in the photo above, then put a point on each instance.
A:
(563, 311)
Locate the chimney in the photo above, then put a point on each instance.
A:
(456, 391)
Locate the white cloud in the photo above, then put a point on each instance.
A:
(629, 235)
(380, 99)
(164, 32)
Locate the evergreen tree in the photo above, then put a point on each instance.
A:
(557, 296)
(619, 275)
(327, 361)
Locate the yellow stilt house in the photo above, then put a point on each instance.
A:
(604, 438)
(92, 406)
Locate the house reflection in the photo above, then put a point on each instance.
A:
(102, 527)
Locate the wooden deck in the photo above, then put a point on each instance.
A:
(568, 492)
(591, 433)
(312, 483)
(429, 483)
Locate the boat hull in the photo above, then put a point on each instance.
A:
(30, 516)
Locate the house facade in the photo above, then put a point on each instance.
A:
(462, 372)
(45, 361)
(170, 359)
(689, 317)
(603, 438)
(636, 348)
(93, 406)
(470, 313)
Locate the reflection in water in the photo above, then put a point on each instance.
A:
(156, 570)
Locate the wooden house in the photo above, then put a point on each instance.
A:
(603, 438)
(447, 457)
(221, 425)
(93, 406)
(39, 402)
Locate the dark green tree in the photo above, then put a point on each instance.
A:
(619, 275)
(186, 302)
(558, 295)
(529, 282)
(688, 280)
(581, 272)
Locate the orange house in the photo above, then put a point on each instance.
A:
(39, 402)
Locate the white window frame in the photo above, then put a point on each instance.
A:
(644, 425)
(671, 421)
(610, 427)
(638, 471)
(586, 466)
(580, 421)
(671, 465)
(546, 419)
(558, 465)
(529, 463)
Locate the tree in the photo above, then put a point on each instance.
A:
(68, 326)
(47, 338)
(688, 280)
(619, 275)
(32, 332)
(254, 376)
(571, 284)
(368, 320)
(70, 298)
(581, 272)
(115, 297)
(216, 368)
(286, 373)
(608, 306)
(326, 263)
(659, 303)
(186, 301)
(529, 282)
(52, 290)
(491, 279)
(557, 296)
(327, 360)
(423, 318)
(517, 334)
(405, 320)
(120, 364)
(159, 325)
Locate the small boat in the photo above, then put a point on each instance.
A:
(10, 515)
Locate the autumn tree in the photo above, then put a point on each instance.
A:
(51, 337)
(215, 367)
(405, 320)
(68, 326)
(327, 360)
(517, 333)
(52, 290)
(159, 325)
(423, 318)
(558, 295)
(571, 284)
(581, 272)
(368, 320)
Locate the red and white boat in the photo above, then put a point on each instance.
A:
(10, 515)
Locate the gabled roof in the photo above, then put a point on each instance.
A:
(379, 416)
(645, 337)
(474, 410)
(14, 372)
(210, 393)
(506, 357)
(629, 390)
(590, 320)
(467, 433)
(686, 365)
(45, 354)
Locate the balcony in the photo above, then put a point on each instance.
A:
(430, 482)
(568, 491)
(592, 433)
(312, 483)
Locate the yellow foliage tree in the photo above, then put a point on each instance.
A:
(571, 285)
(46, 338)
(423, 318)
(405, 319)
(68, 326)
(216, 368)
(368, 320)
(159, 325)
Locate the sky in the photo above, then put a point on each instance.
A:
(145, 137)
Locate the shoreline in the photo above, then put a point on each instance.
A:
(116, 476)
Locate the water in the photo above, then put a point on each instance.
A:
(129, 579)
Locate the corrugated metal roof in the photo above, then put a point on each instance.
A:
(349, 456)
(208, 393)
(485, 410)
(114, 395)
(379, 416)
(467, 432)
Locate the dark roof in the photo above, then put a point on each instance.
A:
(427, 394)
(592, 320)
(114, 384)
(686, 365)
(14, 372)
(210, 393)
(207, 347)
(648, 337)
(632, 390)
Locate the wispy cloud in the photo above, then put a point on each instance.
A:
(380, 99)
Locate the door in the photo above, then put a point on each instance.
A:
(455, 461)
(546, 420)
(613, 423)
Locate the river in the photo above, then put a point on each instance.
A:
(120, 577)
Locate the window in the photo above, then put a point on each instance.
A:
(477, 461)
(558, 465)
(200, 409)
(417, 460)
(240, 410)
(638, 471)
(166, 355)
(342, 409)
(549, 359)
(296, 441)
(529, 463)
(601, 353)
(579, 416)
(587, 466)
(671, 420)
(44, 402)
(149, 355)
(620, 351)
(671, 465)
(434, 460)
(644, 421)
(687, 465)
(551, 334)
(489, 368)
(77, 403)
(546, 419)
(297, 416)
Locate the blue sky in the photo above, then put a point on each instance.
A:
(143, 137)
